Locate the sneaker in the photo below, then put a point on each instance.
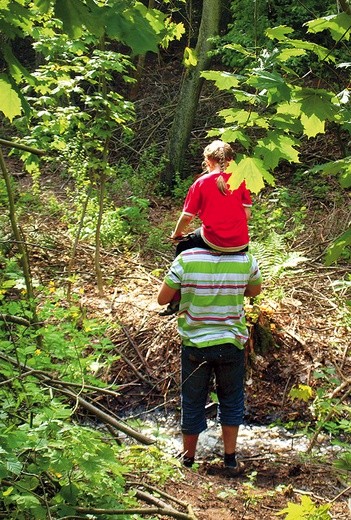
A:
(234, 471)
(172, 308)
(186, 461)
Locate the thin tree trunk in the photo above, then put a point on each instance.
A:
(21, 247)
(75, 244)
(190, 93)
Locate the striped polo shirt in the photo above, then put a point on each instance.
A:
(212, 295)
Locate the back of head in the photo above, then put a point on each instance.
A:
(220, 152)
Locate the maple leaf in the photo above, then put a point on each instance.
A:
(10, 102)
(190, 57)
(223, 80)
(275, 147)
(312, 125)
(276, 86)
(252, 171)
(338, 25)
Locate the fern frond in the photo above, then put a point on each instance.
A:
(273, 257)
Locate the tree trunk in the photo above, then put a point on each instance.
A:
(190, 93)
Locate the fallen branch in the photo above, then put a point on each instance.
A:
(60, 387)
(8, 318)
(167, 496)
(105, 418)
(346, 490)
(19, 146)
(137, 350)
(326, 419)
(137, 511)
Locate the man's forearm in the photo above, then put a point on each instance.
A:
(252, 290)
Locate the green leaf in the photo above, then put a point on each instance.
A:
(345, 177)
(234, 135)
(43, 5)
(321, 52)
(276, 146)
(7, 492)
(10, 103)
(302, 392)
(75, 15)
(341, 167)
(285, 54)
(335, 250)
(277, 88)
(239, 48)
(244, 117)
(223, 80)
(16, 69)
(252, 171)
(14, 466)
(312, 125)
(190, 57)
(279, 33)
(316, 107)
(137, 27)
(306, 510)
(338, 25)
(70, 493)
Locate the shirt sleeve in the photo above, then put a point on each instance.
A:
(174, 276)
(255, 273)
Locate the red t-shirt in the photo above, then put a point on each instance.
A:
(224, 222)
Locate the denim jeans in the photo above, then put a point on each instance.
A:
(227, 363)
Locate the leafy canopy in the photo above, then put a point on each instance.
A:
(273, 109)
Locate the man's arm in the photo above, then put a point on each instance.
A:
(252, 290)
(165, 294)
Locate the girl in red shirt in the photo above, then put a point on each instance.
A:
(224, 212)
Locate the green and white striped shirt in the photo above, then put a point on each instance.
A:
(212, 295)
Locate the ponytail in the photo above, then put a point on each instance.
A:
(222, 153)
(222, 185)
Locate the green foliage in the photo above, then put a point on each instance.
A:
(331, 414)
(307, 510)
(301, 392)
(251, 21)
(274, 258)
(343, 462)
(273, 108)
(157, 242)
(139, 28)
(181, 187)
(340, 248)
(49, 463)
(120, 226)
(140, 180)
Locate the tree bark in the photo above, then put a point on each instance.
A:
(190, 93)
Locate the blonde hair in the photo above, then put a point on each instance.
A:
(220, 152)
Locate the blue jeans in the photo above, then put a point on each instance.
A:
(227, 363)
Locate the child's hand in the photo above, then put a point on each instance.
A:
(177, 238)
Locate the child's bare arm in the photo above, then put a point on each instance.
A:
(247, 212)
(183, 222)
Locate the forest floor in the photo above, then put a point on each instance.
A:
(308, 333)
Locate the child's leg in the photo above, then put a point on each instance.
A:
(192, 240)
